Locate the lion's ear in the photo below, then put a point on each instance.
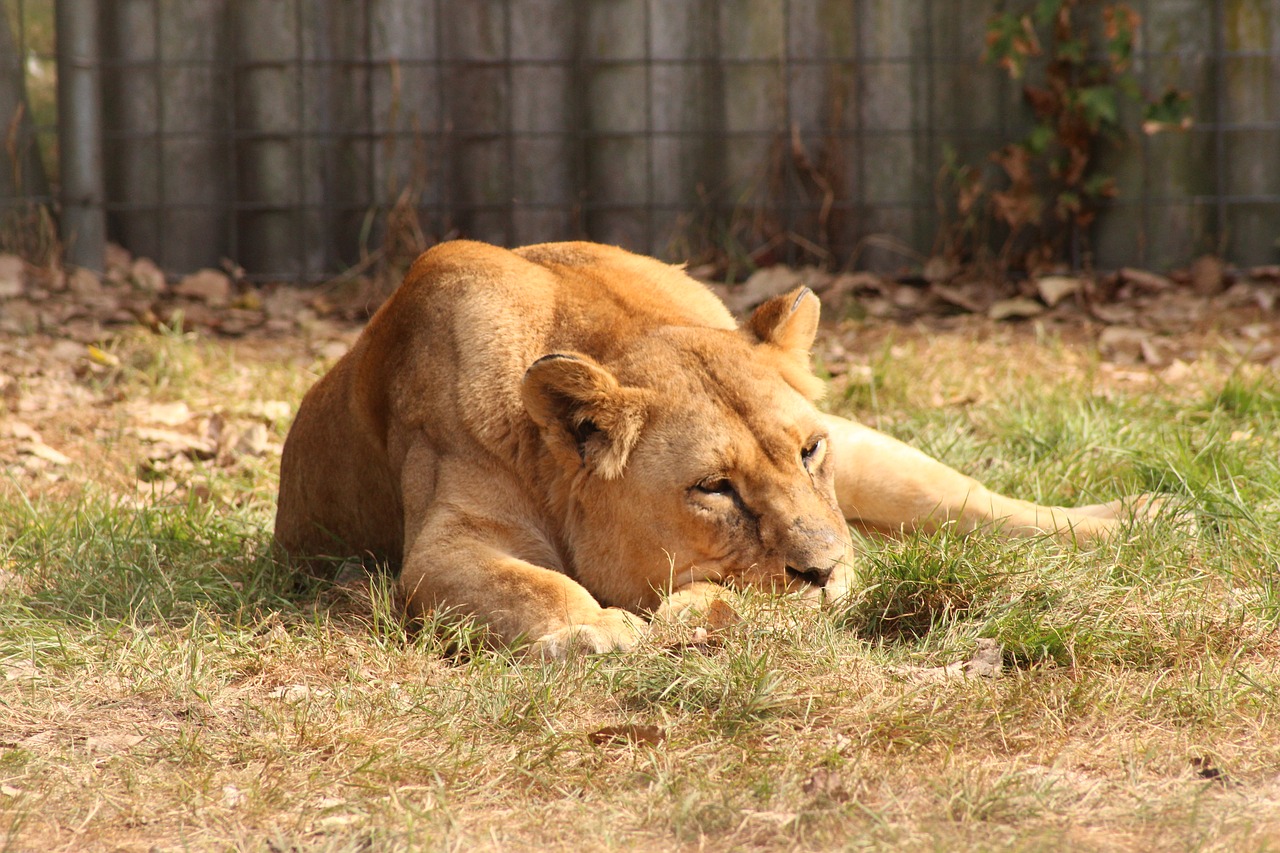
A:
(789, 323)
(586, 416)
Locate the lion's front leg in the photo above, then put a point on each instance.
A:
(886, 485)
(513, 598)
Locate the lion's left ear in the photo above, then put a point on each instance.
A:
(587, 417)
(788, 324)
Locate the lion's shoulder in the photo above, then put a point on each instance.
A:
(478, 284)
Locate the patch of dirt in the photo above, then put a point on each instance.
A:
(66, 416)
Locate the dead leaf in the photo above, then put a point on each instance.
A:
(1205, 769)
(66, 350)
(38, 741)
(102, 357)
(1123, 344)
(167, 414)
(849, 283)
(272, 410)
(332, 350)
(13, 271)
(296, 693)
(827, 784)
(238, 321)
(20, 317)
(167, 443)
(17, 429)
(1019, 308)
(83, 282)
(22, 669)
(283, 303)
(939, 268)
(1122, 314)
(1177, 372)
(209, 286)
(987, 662)
(628, 733)
(146, 276)
(10, 791)
(781, 819)
(907, 297)
(760, 286)
(1144, 280)
(720, 616)
(1055, 288)
(253, 441)
(40, 450)
(233, 797)
(1208, 275)
(1151, 352)
(112, 743)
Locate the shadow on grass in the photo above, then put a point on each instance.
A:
(94, 560)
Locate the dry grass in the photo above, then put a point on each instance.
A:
(165, 688)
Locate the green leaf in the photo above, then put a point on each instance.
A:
(1098, 104)
(1129, 87)
(1071, 50)
(1039, 138)
(1173, 109)
(1100, 186)
(1046, 11)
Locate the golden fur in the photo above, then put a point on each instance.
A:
(554, 438)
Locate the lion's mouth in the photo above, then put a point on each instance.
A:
(813, 575)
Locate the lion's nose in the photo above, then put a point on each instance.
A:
(816, 575)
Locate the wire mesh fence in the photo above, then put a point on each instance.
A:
(299, 138)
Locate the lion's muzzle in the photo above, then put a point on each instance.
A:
(816, 555)
(815, 576)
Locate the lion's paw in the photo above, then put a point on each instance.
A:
(1138, 509)
(613, 630)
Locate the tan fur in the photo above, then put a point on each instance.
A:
(551, 439)
(540, 437)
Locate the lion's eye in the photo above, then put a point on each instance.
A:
(715, 486)
(812, 453)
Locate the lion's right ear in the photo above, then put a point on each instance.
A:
(787, 324)
(586, 416)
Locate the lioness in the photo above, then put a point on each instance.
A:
(554, 438)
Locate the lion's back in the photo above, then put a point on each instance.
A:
(440, 366)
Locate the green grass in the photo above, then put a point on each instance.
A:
(164, 686)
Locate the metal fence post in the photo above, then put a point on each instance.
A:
(83, 220)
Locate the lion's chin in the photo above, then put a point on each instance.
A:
(695, 574)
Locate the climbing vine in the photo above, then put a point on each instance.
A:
(1074, 61)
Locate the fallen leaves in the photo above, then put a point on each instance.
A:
(1133, 312)
(1055, 288)
(112, 743)
(987, 661)
(826, 784)
(42, 451)
(211, 287)
(294, 693)
(625, 734)
(1018, 308)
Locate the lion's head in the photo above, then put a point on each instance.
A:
(697, 455)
